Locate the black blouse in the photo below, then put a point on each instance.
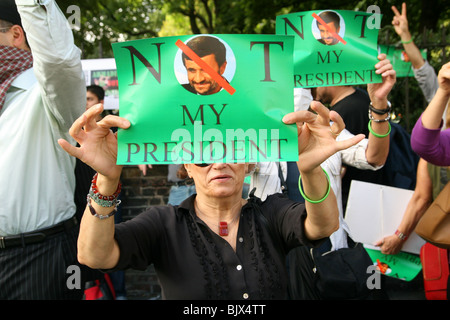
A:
(193, 262)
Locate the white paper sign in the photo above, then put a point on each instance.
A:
(103, 72)
(375, 211)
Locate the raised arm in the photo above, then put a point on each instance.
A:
(317, 142)
(379, 127)
(423, 71)
(98, 149)
(400, 23)
(427, 140)
(432, 116)
(57, 63)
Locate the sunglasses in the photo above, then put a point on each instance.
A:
(203, 165)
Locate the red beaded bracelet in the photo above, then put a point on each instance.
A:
(101, 200)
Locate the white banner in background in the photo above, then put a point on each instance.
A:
(103, 73)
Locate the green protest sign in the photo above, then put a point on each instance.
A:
(403, 265)
(207, 98)
(400, 60)
(332, 47)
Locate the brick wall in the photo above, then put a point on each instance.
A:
(138, 193)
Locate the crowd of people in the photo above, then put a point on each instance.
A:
(214, 239)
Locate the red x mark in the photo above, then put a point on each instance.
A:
(335, 35)
(202, 64)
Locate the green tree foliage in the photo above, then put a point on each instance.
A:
(103, 22)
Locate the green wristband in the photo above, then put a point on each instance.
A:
(409, 41)
(308, 199)
(376, 134)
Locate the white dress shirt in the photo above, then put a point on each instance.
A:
(37, 175)
(355, 156)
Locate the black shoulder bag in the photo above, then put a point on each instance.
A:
(342, 274)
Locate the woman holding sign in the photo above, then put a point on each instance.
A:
(215, 245)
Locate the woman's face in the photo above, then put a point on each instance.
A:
(218, 179)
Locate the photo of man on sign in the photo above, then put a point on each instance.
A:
(212, 52)
(327, 28)
(343, 54)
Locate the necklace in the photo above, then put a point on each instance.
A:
(223, 225)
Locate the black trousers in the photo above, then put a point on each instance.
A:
(40, 271)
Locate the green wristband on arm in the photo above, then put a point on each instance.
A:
(308, 199)
(409, 41)
(376, 134)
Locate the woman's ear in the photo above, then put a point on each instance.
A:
(187, 168)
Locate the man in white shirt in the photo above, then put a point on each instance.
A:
(42, 92)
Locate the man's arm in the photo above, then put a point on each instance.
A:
(427, 79)
(400, 23)
(423, 71)
(57, 63)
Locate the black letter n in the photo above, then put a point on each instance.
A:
(150, 68)
(288, 23)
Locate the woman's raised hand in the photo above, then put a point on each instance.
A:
(316, 137)
(98, 144)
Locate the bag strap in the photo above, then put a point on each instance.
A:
(284, 187)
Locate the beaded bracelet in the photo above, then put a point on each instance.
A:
(95, 214)
(101, 200)
(376, 134)
(308, 199)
